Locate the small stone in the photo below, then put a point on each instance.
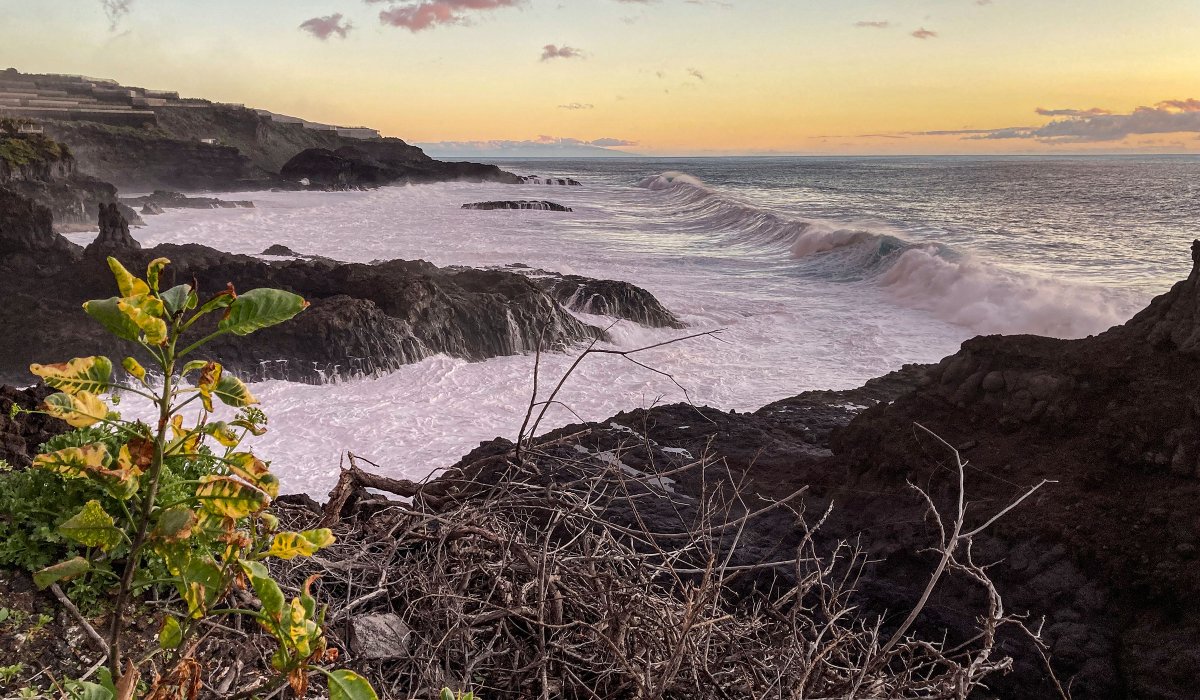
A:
(379, 637)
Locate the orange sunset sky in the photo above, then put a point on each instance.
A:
(659, 77)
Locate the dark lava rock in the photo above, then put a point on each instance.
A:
(353, 167)
(563, 181)
(282, 250)
(364, 319)
(22, 434)
(27, 230)
(159, 200)
(114, 237)
(541, 205)
(604, 297)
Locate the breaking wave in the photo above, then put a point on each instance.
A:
(928, 276)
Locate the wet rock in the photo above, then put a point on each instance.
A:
(159, 200)
(541, 205)
(280, 250)
(603, 297)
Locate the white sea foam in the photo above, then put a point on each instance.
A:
(804, 305)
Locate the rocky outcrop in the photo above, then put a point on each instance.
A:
(603, 297)
(114, 237)
(541, 205)
(1172, 321)
(27, 231)
(562, 181)
(357, 167)
(364, 319)
(161, 200)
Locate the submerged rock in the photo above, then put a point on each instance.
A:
(541, 205)
(563, 181)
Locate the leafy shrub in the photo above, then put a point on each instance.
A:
(177, 501)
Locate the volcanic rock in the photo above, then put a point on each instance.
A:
(541, 205)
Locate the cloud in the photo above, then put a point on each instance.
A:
(577, 105)
(1095, 111)
(609, 142)
(873, 24)
(325, 27)
(418, 16)
(115, 10)
(550, 51)
(1095, 124)
(695, 74)
(924, 33)
(542, 146)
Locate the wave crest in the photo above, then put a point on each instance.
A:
(931, 276)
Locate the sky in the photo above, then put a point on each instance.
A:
(662, 77)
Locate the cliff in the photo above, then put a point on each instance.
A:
(44, 171)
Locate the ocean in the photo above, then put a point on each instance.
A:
(819, 273)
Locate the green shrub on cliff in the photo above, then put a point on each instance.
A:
(176, 501)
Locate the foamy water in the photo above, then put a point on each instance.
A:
(804, 302)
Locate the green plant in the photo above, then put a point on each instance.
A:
(179, 501)
(8, 674)
(448, 694)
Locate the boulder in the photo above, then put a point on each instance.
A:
(379, 637)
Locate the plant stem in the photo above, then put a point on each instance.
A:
(131, 565)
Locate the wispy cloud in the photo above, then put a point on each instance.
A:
(924, 33)
(695, 74)
(115, 10)
(541, 146)
(418, 16)
(577, 105)
(1094, 125)
(1095, 111)
(873, 24)
(552, 51)
(325, 27)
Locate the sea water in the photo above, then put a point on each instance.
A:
(818, 273)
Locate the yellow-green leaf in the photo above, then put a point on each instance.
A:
(224, 434)
(146, 313)
(134, 368)
(209, 376)
(61, 571)
(153, 269)
(175, 524)
(91, 461)
(268, 592)
(348, 685)
(127, 284)
(233, 392)
(108, 313)
(289, 545)
(229, 497)
(254, 471)
(299, 629)
(261, 308)
(79, 411)
(170, 635)
(92, 527)
(91, 374)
